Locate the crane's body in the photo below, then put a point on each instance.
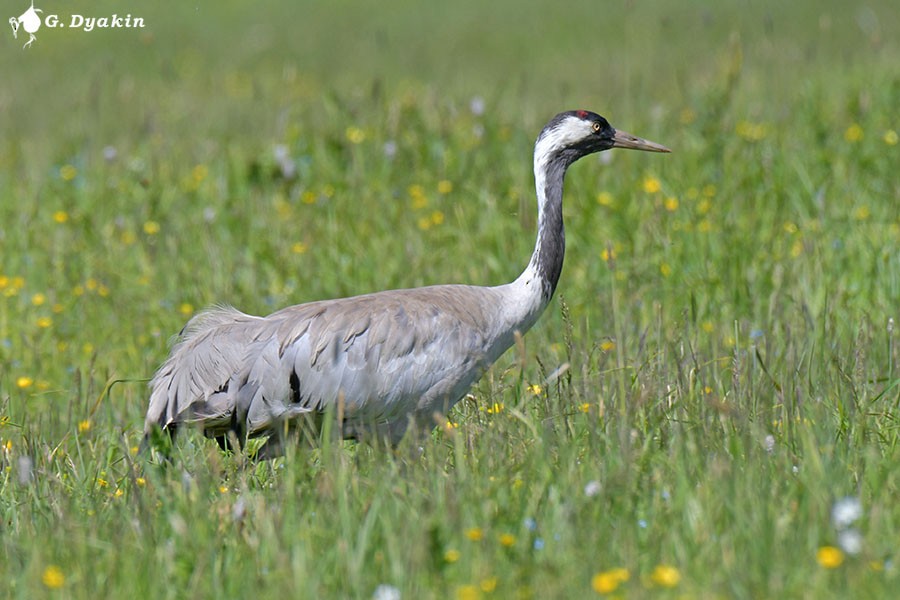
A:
(381, 361)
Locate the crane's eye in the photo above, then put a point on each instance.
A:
(596, 126)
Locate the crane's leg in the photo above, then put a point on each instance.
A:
(29, 42)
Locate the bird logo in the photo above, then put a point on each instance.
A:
(29, 21)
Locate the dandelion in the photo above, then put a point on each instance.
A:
(309, 197)
(102, 482)
(665, 576)
(299, 248)
(199, 173)
(854, 133)
(604, 199)
(140, 481)
(488, 585)
(467, 592)
(608, 254)
(437, 217)
(665, 270)
(671, 204)
(829, 557)
(355, 135)
(44, 322)
(68, 172)
(535, 388)
(651, 185)
(60, 216)
(151, 227)
(708, 191)
(495, 408)
(451, 556)
(84, 426)
(862, 213)
(752, 132)
(444, 186)
(475, 534)
(507, 540)
(24, 382)
(585, 407)
(118, 493)
(890, 137)
(38, 299)
(418, 199)
(606, 582)
(450, 425)
(53, 577)
(607, 345)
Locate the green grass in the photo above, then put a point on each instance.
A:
(716, 372)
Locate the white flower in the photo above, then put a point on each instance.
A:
(850, 541)
(592, 488)
(386, 592)
(845, 512)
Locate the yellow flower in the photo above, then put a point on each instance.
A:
(854, 133)
(671, 204)
(475, 534)
(665, 576)
(151, 227)
(444, 186)
(53, 577)
(140, 481)
(38, 299)
(60, 216)
(355, 135)
(585, 407)
(7, 446)
(24, 382)
(606, 582)
(495, 408)
(651, 185)
(437, 217)
(44, 322)
(687, 116)
(467, 592)
(199, 173)
(709, 190)
(451, 425)
(665, 270)
(309, 197)
(604, 199)
(186, 308)
(890, 137)
(608, 254)
(451, 556)
(607, 345)
(118, 493)
(507, 539)
(488, 585)
(102, 482)
(299, 248)
(417, 196)
(829, 557)
(752, 132)
(84, 426)
(862, 213)
(68, 172)
(535, 389)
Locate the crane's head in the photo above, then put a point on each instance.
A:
(573, 134)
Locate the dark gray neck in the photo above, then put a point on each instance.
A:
(550, 248)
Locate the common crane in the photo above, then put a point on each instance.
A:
(383, 362)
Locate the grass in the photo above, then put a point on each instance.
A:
(718, 370)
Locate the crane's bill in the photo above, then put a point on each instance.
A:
(623, 139)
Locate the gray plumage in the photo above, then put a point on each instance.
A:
(383, 361)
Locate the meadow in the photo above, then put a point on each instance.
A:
(708, 408)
